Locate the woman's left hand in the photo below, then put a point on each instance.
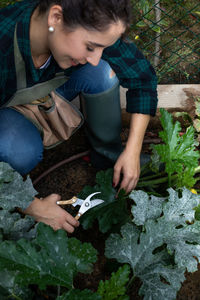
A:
(127, 165)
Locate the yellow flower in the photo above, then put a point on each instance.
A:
(137, 37)
(193, 191)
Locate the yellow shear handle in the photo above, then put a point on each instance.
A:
(78, 216)
(66, 202)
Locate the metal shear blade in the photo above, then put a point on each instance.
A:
(87, 203)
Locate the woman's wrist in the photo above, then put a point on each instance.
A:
(34, 208)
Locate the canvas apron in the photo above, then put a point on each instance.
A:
(55, 117)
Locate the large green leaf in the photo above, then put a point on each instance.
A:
(154, 287)
(50, 259)
(115, 287)
(184, 237)
(15, 193)
(137, 249)
(14, 227)
(168, 233)
(177, 226)
(10, 290)
(148, 207)
(178, 152)
(113, 212)
(186, 178)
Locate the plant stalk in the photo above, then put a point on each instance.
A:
(197, 170)
(130, 282)
(58, 290)
(153, 181)
(15, 297)
(153, 176)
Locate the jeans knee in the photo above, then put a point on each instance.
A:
(22, 162)
(20, 142)
(90, 80)
(100, 78)
(21, 156)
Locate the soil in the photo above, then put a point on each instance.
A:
(69, 179)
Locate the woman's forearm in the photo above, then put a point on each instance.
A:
(138, 126)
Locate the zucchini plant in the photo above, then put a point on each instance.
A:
(161, 242)
(152, 236)
(175, 161)
(37, 255)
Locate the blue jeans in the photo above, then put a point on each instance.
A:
(20, 141)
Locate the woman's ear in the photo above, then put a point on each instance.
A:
(55, 16)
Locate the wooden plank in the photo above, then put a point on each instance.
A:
(171, 95)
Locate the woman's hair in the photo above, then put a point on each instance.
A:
(91, 14)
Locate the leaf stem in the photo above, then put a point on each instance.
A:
(197, 170)
(14, 296)
(152, 176)
(169, 179)
(58, 290)
(152, 182)
(130, 282)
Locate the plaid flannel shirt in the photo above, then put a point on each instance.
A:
(132, 69)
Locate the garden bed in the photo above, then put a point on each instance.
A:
(68, 180)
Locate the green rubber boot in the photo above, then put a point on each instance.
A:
(103, 126)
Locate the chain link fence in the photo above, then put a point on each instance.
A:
(168, 33)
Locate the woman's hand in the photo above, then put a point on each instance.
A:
(47, 211)
(128, 165)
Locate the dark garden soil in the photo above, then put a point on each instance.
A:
(68, 180)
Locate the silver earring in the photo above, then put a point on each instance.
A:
(51, 29)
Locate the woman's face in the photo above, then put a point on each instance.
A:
(70, 48)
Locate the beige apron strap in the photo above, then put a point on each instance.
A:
(19, 64)
(26, 95)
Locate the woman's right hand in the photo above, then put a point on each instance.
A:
(47, 211)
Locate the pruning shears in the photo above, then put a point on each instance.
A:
(85, 205)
